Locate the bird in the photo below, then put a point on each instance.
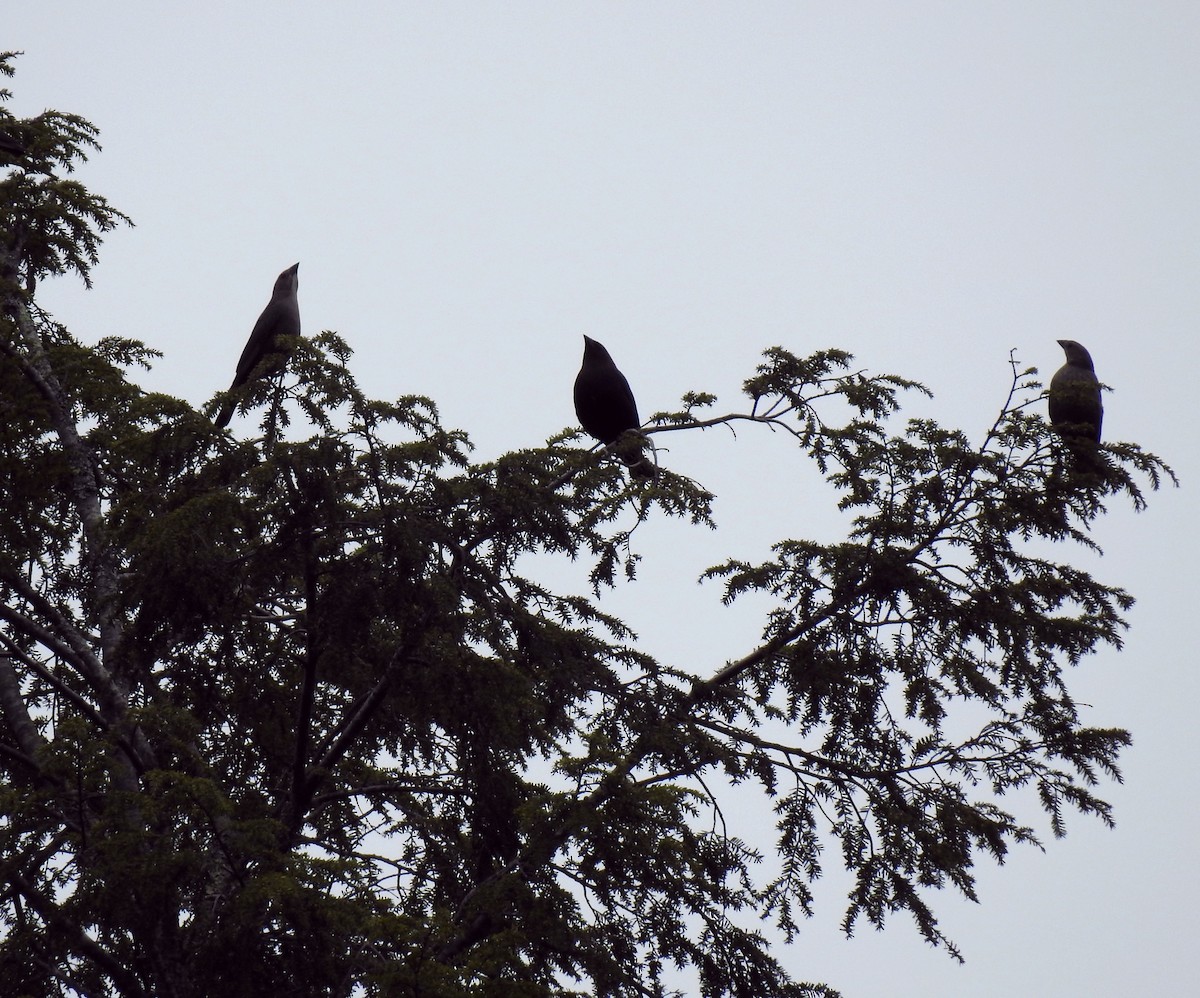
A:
(267, 350)
(1076, 412)
(606, 408)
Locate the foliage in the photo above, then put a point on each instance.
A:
(286, 716)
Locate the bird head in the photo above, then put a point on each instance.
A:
(595, 351)
(1077, 354)
(287, 282)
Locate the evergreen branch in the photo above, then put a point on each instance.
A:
(67, 928)
(85, 485)
(76, 650)
(62, 689)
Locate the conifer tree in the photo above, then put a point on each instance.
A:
(287, 715)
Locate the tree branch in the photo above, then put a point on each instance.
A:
(52, 915)
(76, 649)
(51, 680)
(16, 714)
(84, 474)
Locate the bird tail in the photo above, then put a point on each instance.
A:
(1079, 453)
(226, 414)
(1085, 456)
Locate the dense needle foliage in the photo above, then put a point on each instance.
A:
(288, 715)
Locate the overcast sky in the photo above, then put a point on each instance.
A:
(471, 187)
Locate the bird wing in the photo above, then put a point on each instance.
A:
(1075, 399)
(604, 403)
(279, 318)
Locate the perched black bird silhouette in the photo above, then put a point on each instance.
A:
(606, 409)
(267, 349)
(1076, 412)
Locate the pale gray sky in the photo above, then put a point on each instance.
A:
(470, 187)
